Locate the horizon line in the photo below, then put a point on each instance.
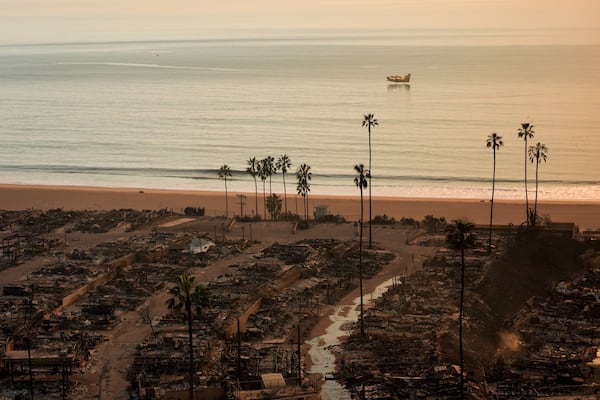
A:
(276, 35)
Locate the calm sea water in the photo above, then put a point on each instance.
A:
(169, 114)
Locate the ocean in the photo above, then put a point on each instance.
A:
(169, 114)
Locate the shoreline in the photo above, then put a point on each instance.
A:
(584, 213)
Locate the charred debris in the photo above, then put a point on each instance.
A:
(531, 317)
(70, 299)
(531, 324)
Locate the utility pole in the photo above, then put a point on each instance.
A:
(29, 333)
(64, 373)
(239, 351)
(299, 349)
(299, 357)
(242, 198)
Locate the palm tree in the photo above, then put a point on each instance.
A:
(252, 170)
(369, 121)
(263, 174)
(495, 142)
(283, 164)
(304, 175)
(361, 182)
(526, 132)
(460, 237)
(270, 170)
(224, 173)
(185, 294)
(274, 206)
(537, 154)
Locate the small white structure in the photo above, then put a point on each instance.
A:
(198, 246)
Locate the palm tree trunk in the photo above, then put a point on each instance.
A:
(306, 207)
(188, 311)
(492, 203)
(360, 278)
(526, 192)
(264, 202)
(304, 204)
(460, 319)
(256, 195)
(285, 195)
(537, 166)
(370, 186)
(226, 200)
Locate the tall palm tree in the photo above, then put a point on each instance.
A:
(270, 170)
(283, 164)
(361, 182)
(369, 121)
(460, 237)
(185, 295)
(537, 154)
(224, 173)
(526, 132)
(494, 141)
(304, 175)
(263, 174)
(252, 170)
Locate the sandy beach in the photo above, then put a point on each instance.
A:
(18, 197)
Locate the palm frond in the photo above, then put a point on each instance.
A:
(526, 131)
(460, 235)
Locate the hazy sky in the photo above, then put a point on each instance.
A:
(26, 21)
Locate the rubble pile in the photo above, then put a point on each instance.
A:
(411, 344)
(15, 248)
(402, 354)
(37, 221)
(53, 282)
(230, 296)
(104, 221)
(62, 310)
(557, 342)
(29, 233)
(336, 265)
(288, 253)
(542, 341)
(271, 298)
(548, 347)
(129, 288)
